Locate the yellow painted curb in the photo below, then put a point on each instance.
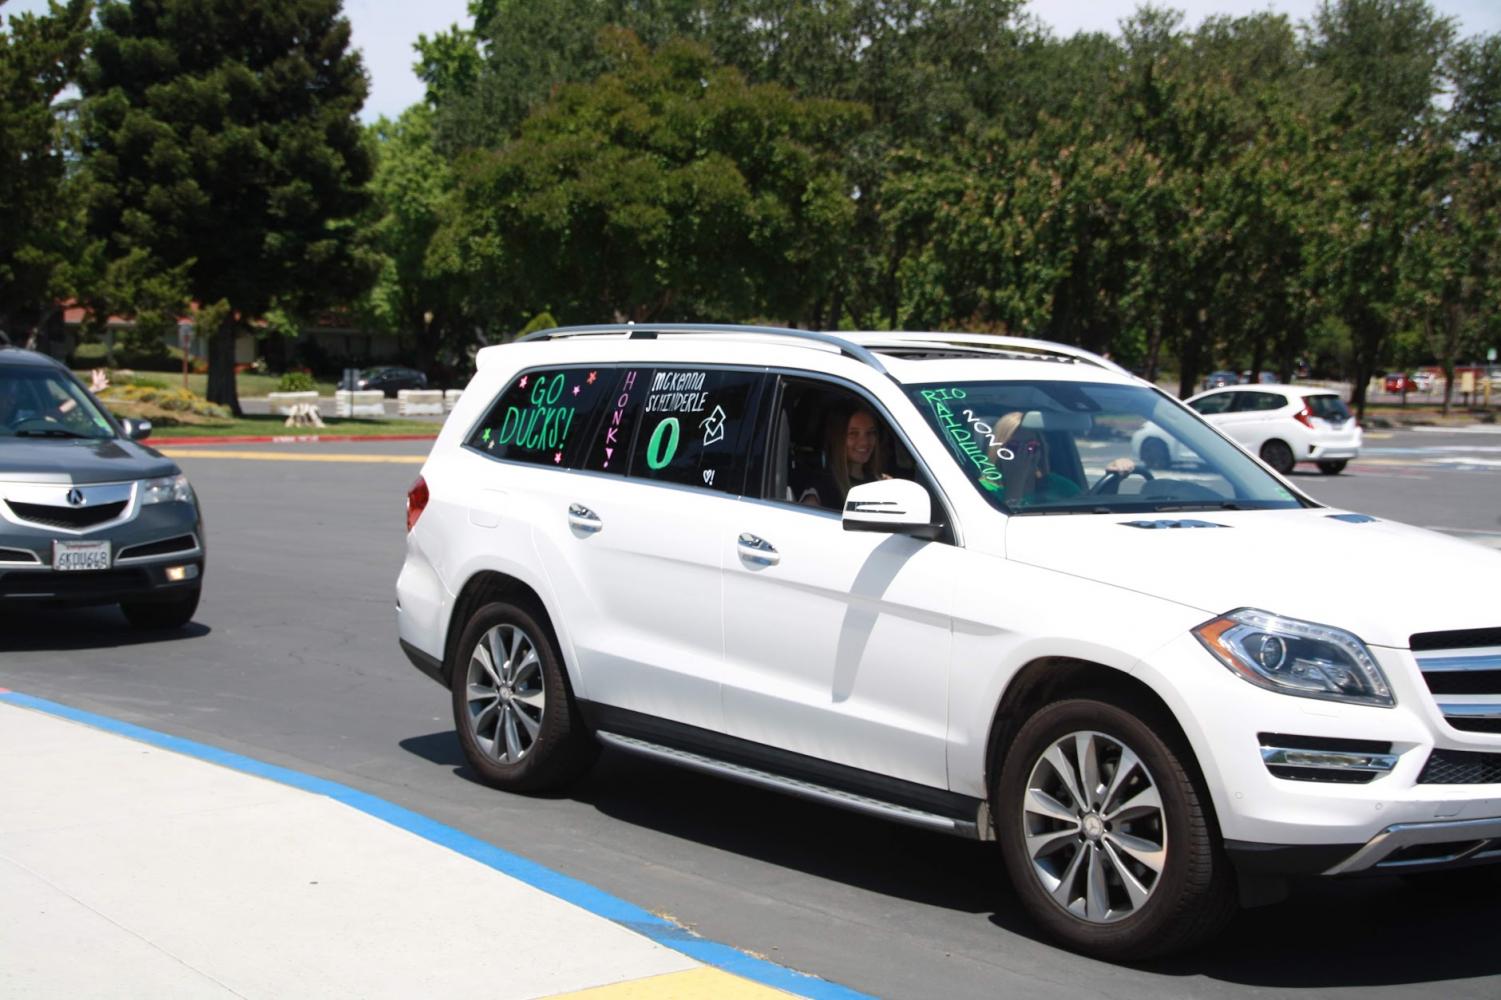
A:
(695, 984)
(283, 456)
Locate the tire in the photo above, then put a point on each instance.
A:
(1334, 467)
(1278, 455)
(162, 614)
(1053, 855)
(518, 723)
(1154, 454)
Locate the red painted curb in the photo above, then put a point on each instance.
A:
(286, 439)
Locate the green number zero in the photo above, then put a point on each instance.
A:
(657, 454)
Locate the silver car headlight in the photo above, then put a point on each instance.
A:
(166, 489)
(1296, 657)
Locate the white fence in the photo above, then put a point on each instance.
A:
(419, 402)
(361, 403)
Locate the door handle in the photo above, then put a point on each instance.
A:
(757, 550)
(581, 518)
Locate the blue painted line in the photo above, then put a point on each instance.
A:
(564, 887)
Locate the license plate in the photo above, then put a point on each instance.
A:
(68, 556)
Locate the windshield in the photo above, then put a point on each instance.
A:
(1083, 448)
(41, 403)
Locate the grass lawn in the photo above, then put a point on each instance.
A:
(261, 426)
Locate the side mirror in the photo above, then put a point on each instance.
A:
(893, 506)
(136, 430)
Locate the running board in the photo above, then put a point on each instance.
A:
(970, 829)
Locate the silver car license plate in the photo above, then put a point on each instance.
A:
(68, 556)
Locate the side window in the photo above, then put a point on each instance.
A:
(826, 439)
(610, 451)
(1258, 401)
(1214, 404)
(694, 428)
(543, 416)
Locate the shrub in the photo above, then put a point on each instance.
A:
(164, 406)
(296, 382)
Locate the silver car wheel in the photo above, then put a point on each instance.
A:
(505, 694)
(1094, 827)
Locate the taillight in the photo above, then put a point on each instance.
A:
(416, 502)
(1304, 417)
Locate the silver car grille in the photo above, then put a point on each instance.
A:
(66, 508)
(1463, 672)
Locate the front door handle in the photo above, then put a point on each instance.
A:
(582, 519)
(757, 550)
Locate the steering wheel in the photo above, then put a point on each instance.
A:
(1110, 482)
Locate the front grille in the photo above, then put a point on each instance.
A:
(1467, 638)
(33, 583)
(1461, 767)
(1463, 672)
(182, 543)
(66, 517)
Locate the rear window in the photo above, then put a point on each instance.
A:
(543, 417)
(1330, 407)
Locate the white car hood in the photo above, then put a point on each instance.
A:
(1299, 563)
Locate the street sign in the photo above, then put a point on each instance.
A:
(185, 336)
(1490, 355)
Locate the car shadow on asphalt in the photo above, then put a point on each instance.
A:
(42, 628)
(1363, 932)
(1368, 932)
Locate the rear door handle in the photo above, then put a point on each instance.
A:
(581, 518)
(756, 550)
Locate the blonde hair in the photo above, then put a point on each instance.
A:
(836, 433)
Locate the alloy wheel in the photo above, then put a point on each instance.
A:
(1094, 827)
(505, 694)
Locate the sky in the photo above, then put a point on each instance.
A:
(384, 30)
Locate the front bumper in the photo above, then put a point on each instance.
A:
(1363, 799)
(143, 549)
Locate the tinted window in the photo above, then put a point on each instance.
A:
(543, 417)
(42, 402)
(610, 449)
(1329, 407)
(692, 428)
(1218, 403)
(1257, 401)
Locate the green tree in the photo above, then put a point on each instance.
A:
(415, 295)
(220, 137)
(668, 188)
(39, 234)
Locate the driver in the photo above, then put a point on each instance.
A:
(1022, 454)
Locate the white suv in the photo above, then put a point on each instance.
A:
(920, 576)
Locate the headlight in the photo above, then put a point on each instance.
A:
(166, 489)
(1296, 657)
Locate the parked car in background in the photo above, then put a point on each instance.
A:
(1424, 381)
(88, 515)
(1216, 379)
(1399, 382)
(1264, 378)
(391, 379)
(1283, 424)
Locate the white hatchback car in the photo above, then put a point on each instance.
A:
(920, 576)
(1283, 424)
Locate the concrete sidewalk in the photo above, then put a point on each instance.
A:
(133, 864)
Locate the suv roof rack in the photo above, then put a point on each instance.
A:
(650, 331)
(863, 346)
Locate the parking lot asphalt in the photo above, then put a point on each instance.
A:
(291, 664)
